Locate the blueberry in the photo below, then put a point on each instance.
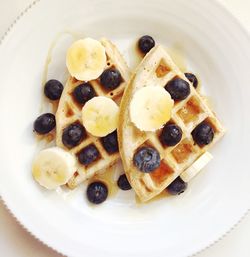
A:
(192, 78)
(123, 183)
(203, 134)
(73, 135)
(88, 154)
(146, 43)
(111, 78)
(110, 142)
(53, 89)
(147, 159)
(171, 135)
(83, 93)
(179, 89)
(177, 187)
(97, 192)
(45, 123)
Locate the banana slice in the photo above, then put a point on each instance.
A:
(53, 167)
(86, 59)
(151, 108)
(100, 116)
(197, 166)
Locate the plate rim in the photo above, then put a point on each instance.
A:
(10, 210)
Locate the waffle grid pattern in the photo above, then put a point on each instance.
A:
(69, 112)
(158, 69)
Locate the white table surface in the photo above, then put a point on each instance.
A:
(16, 242)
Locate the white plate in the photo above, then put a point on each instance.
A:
(217, 49)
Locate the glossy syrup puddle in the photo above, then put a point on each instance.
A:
(108, 178)
(163, 195)
(190, 111)
(182, 152)
(48, 138)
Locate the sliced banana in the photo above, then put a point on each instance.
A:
(196, 167)
(86, 59)
(53, 167)
(151, 108)
(100, 116)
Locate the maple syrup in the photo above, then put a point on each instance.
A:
(108, 179)
(47, 138)
(163, 195)
(182, 151)
(162, 69)
(45, 101)
(136, 55)
(160, 174)
(190, 111)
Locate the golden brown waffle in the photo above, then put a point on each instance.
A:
(69, 112)
(157, 69)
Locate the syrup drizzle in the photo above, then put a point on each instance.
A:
(108, 178)
(47, 105)
(163, 195)
(45, 102)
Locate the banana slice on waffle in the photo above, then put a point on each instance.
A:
(93, 153)
(153, 159)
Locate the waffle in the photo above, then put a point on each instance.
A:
(69, 112)
(157, 68)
